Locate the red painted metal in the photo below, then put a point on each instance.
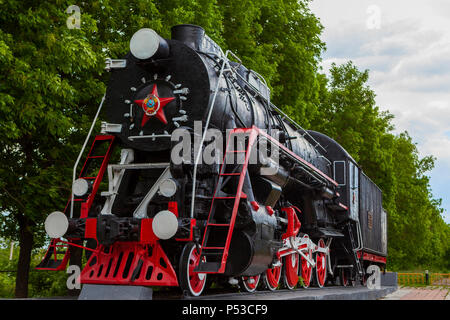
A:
(149, 107)
(254, 205)
(87, 202)
(173, 207)
(306, 270)
(321, 265)
(372, 257)
(251, 283)
(293, 222)
(196, 280)
(291, 263)
(273, 277)
(191, 234)
(147, 234)
(51, 261)
(91, 228)
(85, 207)
(130, 263)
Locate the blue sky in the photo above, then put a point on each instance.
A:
(406, 47)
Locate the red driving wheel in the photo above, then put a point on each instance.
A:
(250, 283)
(321, 265)
(190, 281)
(290, 270)
(306, 270)
(272, 278)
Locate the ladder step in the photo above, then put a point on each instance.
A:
(243, 196)
(94, 157)
(219, 224)
(212, 254)
(208, 248)
(208, 267)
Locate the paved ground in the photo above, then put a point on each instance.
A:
(426, 293)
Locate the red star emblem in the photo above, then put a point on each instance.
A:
(153, 106)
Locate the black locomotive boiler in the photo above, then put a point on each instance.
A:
(278, 203)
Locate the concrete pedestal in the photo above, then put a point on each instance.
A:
(114, 292)
(389, 279)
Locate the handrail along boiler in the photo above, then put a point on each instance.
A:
(303, 208)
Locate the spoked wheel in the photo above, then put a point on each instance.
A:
(191, 282)
(250, 283)
(344, 277)
(321, 266)
(290, 270)
(271, 278)
(306, 270)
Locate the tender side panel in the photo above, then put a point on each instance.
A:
(371, 216)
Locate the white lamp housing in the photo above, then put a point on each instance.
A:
(165, 225)
(168, 188)
(56, 224)
(80, 187)
(146, 43)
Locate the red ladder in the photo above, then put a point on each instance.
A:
(86, 201)
(52, 259)
(218, 234)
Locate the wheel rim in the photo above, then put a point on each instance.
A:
(291, 265)
(306, 270)
(272, 277)
(250, 283)
(321, 265)
(196, 281)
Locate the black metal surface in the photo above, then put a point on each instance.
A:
(189, 34)
(370, 215)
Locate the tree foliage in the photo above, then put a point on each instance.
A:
(417, 234)
(52, 79)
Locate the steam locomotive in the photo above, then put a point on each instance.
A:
(276, 205)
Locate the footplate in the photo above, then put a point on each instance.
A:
(56, 257)
(130, 263)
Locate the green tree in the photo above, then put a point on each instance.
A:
(49, 79)
(417, 234)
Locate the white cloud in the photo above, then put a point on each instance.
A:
(409, 62)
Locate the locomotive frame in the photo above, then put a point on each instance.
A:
(316, 215)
